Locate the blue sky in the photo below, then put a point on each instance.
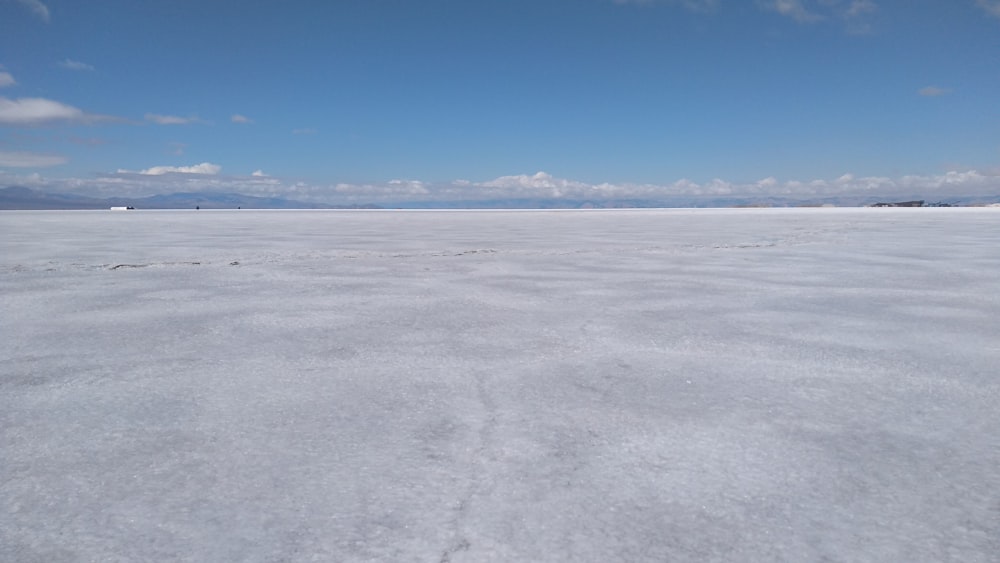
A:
(419, 99)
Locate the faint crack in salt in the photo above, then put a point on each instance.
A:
(462, 545)
(118, 266)
(479, 482)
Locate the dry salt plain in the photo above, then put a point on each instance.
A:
(674, 385)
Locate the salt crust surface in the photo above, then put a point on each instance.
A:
(675, 385)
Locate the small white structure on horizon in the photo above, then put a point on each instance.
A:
(122, 208)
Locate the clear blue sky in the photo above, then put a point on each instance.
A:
(770, 94)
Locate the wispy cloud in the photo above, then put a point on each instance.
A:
(933, 91)
(75, 65)
(87, 141)
(237, 118)
(39, 9)
(693, 5)
(992, 7)
(259, 174)
(854, 14)
(160, 119)
(37, 111)
(203, 168)
(792, 9)
(859, 8)
(6, 79)
(20, 159)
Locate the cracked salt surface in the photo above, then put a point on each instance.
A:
(500, 386)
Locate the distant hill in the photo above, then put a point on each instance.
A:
(20, 197)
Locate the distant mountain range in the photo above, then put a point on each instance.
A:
(19, 197)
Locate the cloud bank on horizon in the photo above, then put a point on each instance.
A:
(207, 177)
(635, 98)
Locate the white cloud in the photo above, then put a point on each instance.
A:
(75, 65)
(6, 79)
(992, 7)
(30, 160)
(404, 190)
(259, 174)
(171, 119)
(539, 180)
(933, 91)
(768, 182)
(203, 168)
(36, 111)
(237, 118)
(539, 184)
(412, 187)
(40, 10)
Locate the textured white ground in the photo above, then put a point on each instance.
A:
(714, 385)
